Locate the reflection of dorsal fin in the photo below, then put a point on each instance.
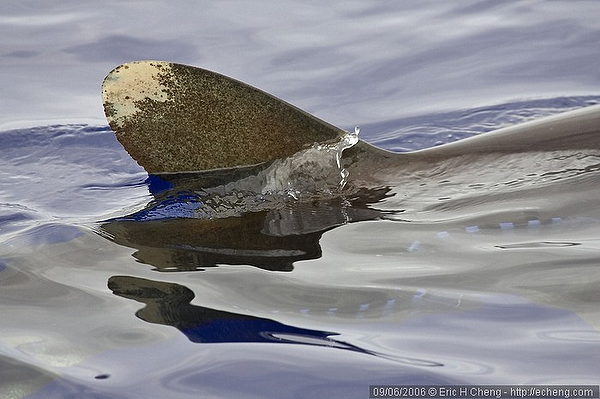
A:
(175, 118)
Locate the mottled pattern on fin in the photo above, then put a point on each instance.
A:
(175, 118)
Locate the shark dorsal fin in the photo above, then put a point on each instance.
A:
(174, 118)
(178, 118)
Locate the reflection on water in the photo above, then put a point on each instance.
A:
(270, 239)
(169, 304)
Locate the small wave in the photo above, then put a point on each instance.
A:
(539, 244)
(316, 170)
(311, 174)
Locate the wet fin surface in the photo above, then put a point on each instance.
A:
(173, 118)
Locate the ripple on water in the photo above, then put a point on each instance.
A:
(116, 336)
(572, 335)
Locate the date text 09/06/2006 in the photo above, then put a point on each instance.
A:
(485, 391)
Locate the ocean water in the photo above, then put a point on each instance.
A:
(491, 281)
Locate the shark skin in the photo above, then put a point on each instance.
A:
(177, 118)
(191, 129)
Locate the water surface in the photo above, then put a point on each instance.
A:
(492, 282)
